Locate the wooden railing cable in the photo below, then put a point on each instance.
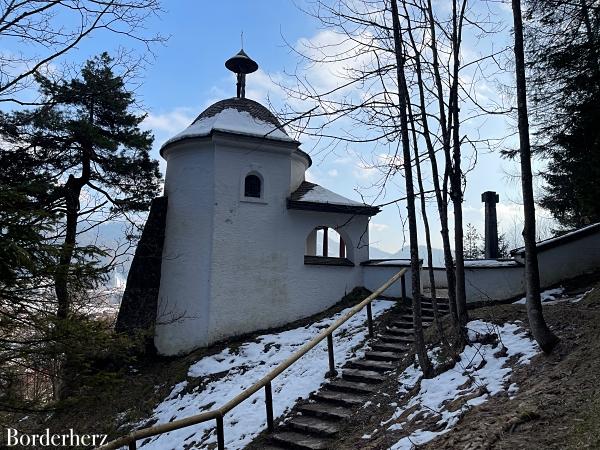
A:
(265, 382)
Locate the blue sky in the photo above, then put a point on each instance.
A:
(188, 73)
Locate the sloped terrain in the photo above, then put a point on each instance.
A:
(548, 401)
(553, 401)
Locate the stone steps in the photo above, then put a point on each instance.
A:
(326, 410)
(389, 347)
(351, 386)
(373, 365)
(409, 318)
(318, 422)
(363, 376)
(392, 339)
(300, 441)
(348, 399)
(403, 324)
(382, 356)
(314, 425)
(399, 331)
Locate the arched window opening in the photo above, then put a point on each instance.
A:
(252, 186)
(325, 245)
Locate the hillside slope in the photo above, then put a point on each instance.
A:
(555, 403)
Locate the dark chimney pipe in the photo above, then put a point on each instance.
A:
(490, 199)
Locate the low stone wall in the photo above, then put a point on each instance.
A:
(567, 256)
(377, 271)
(485, 280)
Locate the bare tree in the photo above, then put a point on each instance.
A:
(542, 334)
(50, 29)
(365, 89)
(424, 215)
(415, 268)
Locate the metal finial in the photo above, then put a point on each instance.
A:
(241, 64)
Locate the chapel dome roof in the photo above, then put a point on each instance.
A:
(252, 107)
(237, 115)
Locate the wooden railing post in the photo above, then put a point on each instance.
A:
(370, 319)
(403, 283)
(220, 434)
(332, 372)
(269, 405)
(218, 414)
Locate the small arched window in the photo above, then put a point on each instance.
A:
(252, 186)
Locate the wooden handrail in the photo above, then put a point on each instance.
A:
(219, 413)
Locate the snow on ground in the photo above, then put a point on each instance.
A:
(231, 371)
(480, 373)
(547, 296)
(554, 296)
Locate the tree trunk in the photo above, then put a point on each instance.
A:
(61, 278)
(456, 174)
(441, 198)
(410, 195)
(436, 314)
(441, 204)
(542, 334)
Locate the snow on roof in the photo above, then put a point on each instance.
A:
(319, 194)
(314, 197)
(475, 263)
(390, 262)
(231, 120)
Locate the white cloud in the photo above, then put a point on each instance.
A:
(364, 171)
(332, 173)
(378, 226)
(171, 122)
(311, 176)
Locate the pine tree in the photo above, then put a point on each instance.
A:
(78, 161)
(472, 246)
(563, 40)
(89, 141)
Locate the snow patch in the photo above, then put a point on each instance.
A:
(474, 263)
(550, 296)
(481, 373)
(231, 371)
(581, 296)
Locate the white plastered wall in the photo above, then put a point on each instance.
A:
(376, 275)
(183, 303)
(569, 260)
(233, 265)
(493, 284)
(259, 278)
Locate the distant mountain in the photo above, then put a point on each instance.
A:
(404, 253)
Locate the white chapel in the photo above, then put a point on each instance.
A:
(240, 237)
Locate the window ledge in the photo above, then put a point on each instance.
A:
(260, 201)
(327, 261)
